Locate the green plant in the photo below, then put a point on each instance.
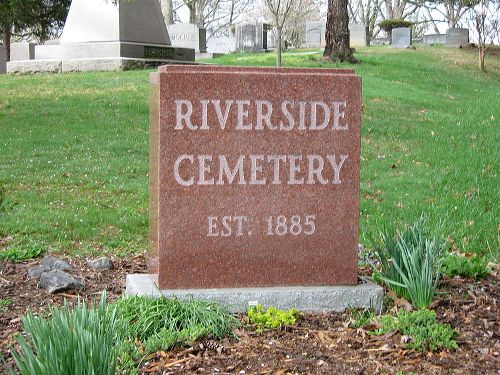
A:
(160, 323)
(361, 318)
(421, 326)
(4, 303)
(410, 263)
(475, 267)
(76, 341)
(17, 253)
(388, 25)
(271, 317)
(5, 202)
(425, 332)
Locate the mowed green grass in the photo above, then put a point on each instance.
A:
(74, 151)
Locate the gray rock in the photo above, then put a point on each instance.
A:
(100, 264)
(57, 281)
(53, 263)
(48, 263)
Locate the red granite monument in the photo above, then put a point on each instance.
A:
(254, 177)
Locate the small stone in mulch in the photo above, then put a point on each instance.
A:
(58, 281)
(100, 264)
(48, 263)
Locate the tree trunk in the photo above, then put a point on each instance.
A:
(6, 41)
(168, 12)
(278, 47)
(337, 32)
(482, 51)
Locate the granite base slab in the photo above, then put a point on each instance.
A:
(85, 65)
(310, 298)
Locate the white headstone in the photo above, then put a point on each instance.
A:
(221, 44)
(358, 35)
(457, 37)
(315, 34)
(188, 35)
(22, 51)
(128, 21)
(401, 37)
(434, 39)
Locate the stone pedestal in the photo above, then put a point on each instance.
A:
(365, 295)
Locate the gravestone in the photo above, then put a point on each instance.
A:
(315, 34)
(457, 37)
(272, 43)
(22, 51)
(358, 35)
(3, 62)
(221, 44)
(188, 35)
(401, 37)
(102, 35)
(434, 39)
(254, 187)
(251, 37)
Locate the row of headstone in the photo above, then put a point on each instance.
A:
(454, 37)
(315, 34)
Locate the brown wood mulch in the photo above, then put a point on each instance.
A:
(318, 344)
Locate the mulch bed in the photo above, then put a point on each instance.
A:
(318, 344)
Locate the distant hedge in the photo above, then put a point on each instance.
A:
(388, 25)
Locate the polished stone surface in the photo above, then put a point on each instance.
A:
(254, 177)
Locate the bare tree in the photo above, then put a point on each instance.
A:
(295, 28)
(214, 15)
(279, 10)
(366, 12)
(168, 11)
(484, 17)
(337, 32)
(452, 11)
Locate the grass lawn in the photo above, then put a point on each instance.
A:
(74, 152)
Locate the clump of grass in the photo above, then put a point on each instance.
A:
(474, 267)
(82, 340)
(421, 326)
(17, 253)
(161, 323)
(410, 262)
(361, 318)
(4, 304)
(5, 202)
(271, 317)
